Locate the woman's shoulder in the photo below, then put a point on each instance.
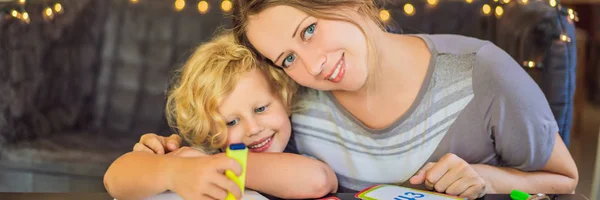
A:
(309, 98)
(495, 66)
(453, 44)
(490, 63)
(309, 94)
(485, 52)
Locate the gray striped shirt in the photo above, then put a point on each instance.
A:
(476, 102)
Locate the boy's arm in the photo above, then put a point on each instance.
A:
(137, 175)
(289, 176)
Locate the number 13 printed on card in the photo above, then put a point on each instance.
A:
(393, 192)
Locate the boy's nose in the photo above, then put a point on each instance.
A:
(253, 127)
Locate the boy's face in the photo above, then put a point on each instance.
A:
(255, 116)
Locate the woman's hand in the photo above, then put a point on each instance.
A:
(156, 144)
(451, 175)
(187, 152)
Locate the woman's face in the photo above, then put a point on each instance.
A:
(316, 53)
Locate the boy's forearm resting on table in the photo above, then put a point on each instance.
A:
(137, 175)
(558, 176)
(289, 176)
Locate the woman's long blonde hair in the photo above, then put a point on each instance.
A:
(207, 78)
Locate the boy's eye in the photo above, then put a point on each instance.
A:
(309, 31)
(232, 123)
(260, 109)
(287, 61)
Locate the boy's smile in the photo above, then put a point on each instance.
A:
(261, 145)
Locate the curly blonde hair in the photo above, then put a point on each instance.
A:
(210, 74)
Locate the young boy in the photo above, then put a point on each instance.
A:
(224, 96)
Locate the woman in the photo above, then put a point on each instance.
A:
(456, 114)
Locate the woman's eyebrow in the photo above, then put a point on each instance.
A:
(293, 36)
(297, 27)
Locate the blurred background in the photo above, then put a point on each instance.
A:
(81, 80)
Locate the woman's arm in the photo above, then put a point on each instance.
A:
(289, 176)
(453, 175)
(558, 176)
(522, 125)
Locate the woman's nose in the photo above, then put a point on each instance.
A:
(314, 62)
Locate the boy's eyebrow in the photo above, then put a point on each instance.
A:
(225, 117)
(293, 35)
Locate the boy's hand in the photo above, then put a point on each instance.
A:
(451, 175)
(204, 177)
(153, 143)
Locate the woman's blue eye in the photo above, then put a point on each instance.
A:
(260, 109)
(288, 60)
(232, 123)
(308, 32)
(306, 35)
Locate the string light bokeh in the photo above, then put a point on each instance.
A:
(18, 10)
(384, 15)
(58, 8)
(486, 9)
(53, 8)
(499, 11)
(432, 2)
(179, 5)
(409, 9)
(226, 5)
(203, 7)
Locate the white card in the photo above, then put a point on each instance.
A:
(394, 192)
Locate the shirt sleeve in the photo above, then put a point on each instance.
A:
(291, 146)
(516, 112)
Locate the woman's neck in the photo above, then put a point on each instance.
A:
(396, 82)
(399, 66)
